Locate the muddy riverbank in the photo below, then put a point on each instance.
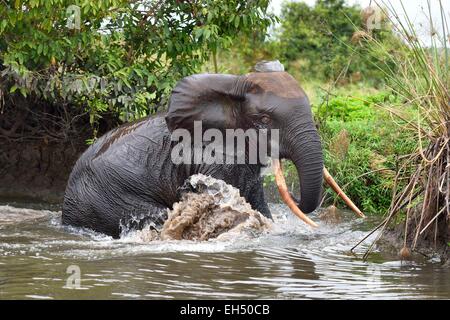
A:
(39, 144)
(36, 170)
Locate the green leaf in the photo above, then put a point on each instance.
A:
(206, 34)
(236, 21)
(23, 92)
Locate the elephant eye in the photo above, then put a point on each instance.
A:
(265, 119)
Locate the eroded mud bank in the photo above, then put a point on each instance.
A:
(35, 169)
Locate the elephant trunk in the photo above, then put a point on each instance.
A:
(305, 151)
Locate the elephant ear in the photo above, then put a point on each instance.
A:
(214, 99)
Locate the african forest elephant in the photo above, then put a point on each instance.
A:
(127, 178)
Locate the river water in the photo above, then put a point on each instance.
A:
(40, 259)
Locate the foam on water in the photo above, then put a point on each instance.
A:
(284, 230)
(11, 215)
(211, 217)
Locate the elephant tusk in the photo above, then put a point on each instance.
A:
(285, 196)
(329, 179)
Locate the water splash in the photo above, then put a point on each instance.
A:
(11, 215)
(212, 209)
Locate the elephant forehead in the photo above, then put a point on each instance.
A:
(281, 84)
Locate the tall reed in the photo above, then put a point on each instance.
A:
(421, 78)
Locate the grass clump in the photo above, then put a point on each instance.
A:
(422, 81)
(362, 148)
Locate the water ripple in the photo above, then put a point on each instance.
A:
(292, 262)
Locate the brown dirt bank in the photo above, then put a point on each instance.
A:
(431, 244)
(35, 169)
(39, 144)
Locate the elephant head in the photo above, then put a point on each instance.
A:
(260, 100)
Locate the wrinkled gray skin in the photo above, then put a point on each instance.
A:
(126, 178)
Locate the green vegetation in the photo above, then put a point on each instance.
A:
(314, 39)
(113, 56)
(321, 43)
(422, 82)
(362, 149)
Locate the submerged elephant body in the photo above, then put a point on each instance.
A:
(127, 178)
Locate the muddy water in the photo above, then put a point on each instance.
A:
(40, 259)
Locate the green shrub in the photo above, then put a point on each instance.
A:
(114, 55)
(361, 149)
(366, 170)
(349, 108)
(322, 42)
